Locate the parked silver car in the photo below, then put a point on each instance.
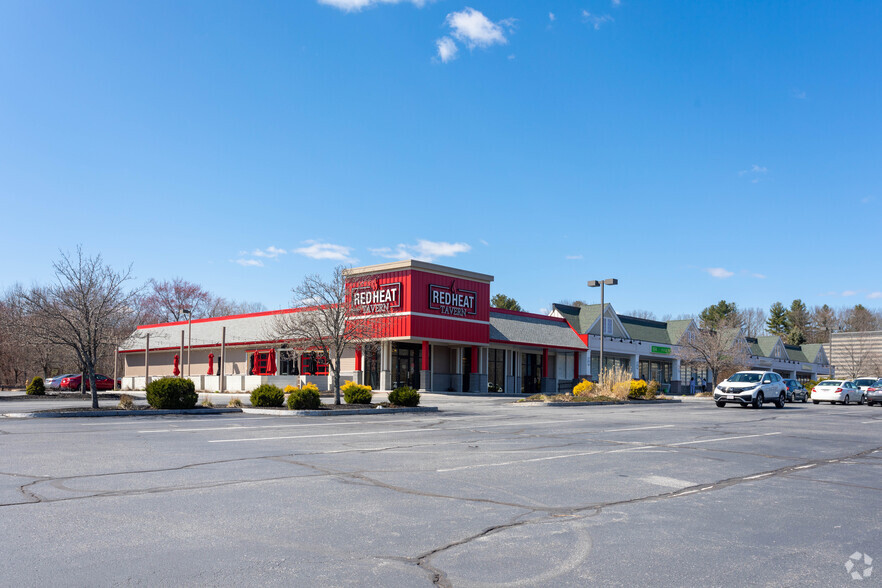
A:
(751, 388)
(874, 393)
(796, 392)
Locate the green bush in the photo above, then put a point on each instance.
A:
(404, 396)
(172, 393)
(356, 393)
(267, 395)
(306, 398)
(36, 387)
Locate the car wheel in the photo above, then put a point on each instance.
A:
(758, 401)
(721, 404)
(805, 398)
(846, 401)
(780, 402)
(816, 402)
(861, 401)
(870, 403)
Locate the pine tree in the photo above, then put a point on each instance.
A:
(722, 311)
(799, 320)
(779, 322)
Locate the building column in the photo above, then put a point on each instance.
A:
(546, 384)
(475, 377)
(425, 368)
(635, 366)
(576, 355)
(359, 373)
(386, 366)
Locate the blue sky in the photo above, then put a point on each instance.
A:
(694, 150)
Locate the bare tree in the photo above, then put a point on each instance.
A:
(85, 310)
(165, 300)
(331, 323)
(720, 350)
(643, 314)
(856, 353)
(754, 321)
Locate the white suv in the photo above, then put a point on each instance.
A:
(751, 389)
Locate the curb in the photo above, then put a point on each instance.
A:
(606, 403)
(116, 413)
(329, 413)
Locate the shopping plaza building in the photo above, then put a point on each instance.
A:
(437, 332)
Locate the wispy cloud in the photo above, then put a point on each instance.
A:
(867, 199)
(799, 94)
(758, 276)
(423, 250)
(754, 172)
(719, 272)
(356, 5)
(247, 262)
(616, 2)
(849, 293)
(596, 20)
(474, 30)
(551, 17)
(319, 250)
(874, 295)
(575, 257)
(269, 253)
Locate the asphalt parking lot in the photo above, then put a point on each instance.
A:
(483, 493)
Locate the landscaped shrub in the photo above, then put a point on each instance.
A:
(267, 395)
(356, 393)
(36, 387)
(404, 396)
(126, 402)
(310, 386)
(652, 389)
(172, 393)
(234, 403)
(584, 388)
(289, 388)
(640, 389)
(306, 398)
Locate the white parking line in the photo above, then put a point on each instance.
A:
(758, 476)
(205, 419)
(505, 463)
(388, 432)
(724, 439)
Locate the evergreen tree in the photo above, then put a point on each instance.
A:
(779, 322)
(799, 320)
(503, 301)
(722, 311)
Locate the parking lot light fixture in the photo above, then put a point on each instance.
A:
(601, 284)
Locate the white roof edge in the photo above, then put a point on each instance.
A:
(416, 264)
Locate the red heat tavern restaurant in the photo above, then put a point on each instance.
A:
(437, 333)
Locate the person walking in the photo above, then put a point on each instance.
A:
(692, 386)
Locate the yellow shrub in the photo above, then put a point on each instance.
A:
(584, 388)
(289, 389)
(309, 386)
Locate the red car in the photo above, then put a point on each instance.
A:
(73, 383)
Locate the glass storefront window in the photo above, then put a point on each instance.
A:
(496, 370)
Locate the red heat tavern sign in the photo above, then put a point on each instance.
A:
(376, 298)
(453, 301)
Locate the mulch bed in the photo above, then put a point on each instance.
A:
(60, 396)
(334, 407)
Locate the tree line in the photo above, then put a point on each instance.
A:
(75, 323)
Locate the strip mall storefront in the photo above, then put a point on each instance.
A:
(438, 334)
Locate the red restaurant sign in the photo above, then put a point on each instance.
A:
(376, 298)
(452, 301)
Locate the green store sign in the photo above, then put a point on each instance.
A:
(656, 349)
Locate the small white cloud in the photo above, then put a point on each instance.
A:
(867, 199)
(471, 27)
(719, 272)
(447, 49)
(799, 94)
(874, 295)
(319, 250)
(575, 257)
(849, 293)
(754, 169)
(356, 5)
(616, 2)
(596, 20)
(483, 242)
(551, 17)
(758, 276)
(248, 262)
(270, 252)
(424, 250)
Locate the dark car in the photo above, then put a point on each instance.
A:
(874, 393)
(73, 383)
(796, 392)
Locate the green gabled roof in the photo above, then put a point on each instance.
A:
(795, 353)
(676, 330)
(645, 329)
(811, 351)
(767, 345)
(580, 317)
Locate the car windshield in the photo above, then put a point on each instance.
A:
(864, 382)
(742, 377)
(830, 383)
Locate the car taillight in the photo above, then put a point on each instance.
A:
(871, 389)
(813, 390)
(837, 390)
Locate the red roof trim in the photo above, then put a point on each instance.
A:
(232, 316)
(540, 345)
(527, 314)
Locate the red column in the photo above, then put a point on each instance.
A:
(358, 359)
(575, 365)
(425, 356)
(545, 363)
(474, 360)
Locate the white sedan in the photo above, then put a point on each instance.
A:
(834, 391)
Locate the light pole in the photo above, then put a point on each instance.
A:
(189, 314)
(594, 284)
